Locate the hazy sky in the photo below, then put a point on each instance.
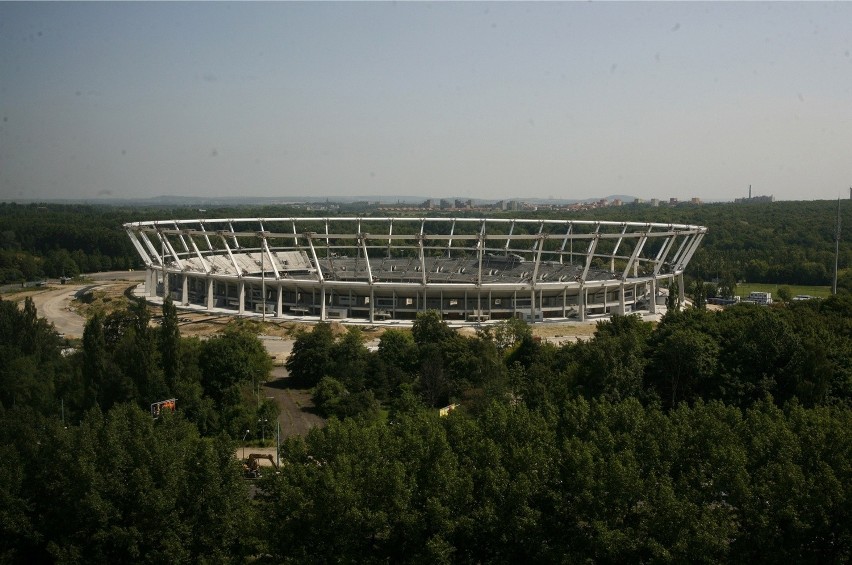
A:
(480, 100)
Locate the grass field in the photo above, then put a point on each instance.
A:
(743, 289)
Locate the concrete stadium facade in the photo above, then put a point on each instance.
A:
(471, 270)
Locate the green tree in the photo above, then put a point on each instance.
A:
(94, 360)
(509, 333)
(683, 366)
(429, 328)
(351, 359)
(169, 342)
(121, 487)
(613, 362)
(328, 394)
(699, 294)
(312, 356)
(234, 364)
(760, 354)
(394, 364)
(31, 369)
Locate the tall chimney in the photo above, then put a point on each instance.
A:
(749, 192)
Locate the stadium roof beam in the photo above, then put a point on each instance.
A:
(200, 257)
(237, 269)
(168, 245)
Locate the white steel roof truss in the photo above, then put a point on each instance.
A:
(635, 254)
(233, 233)
(696, 240)
(590, 254)
(538, 240)
(180, 237)
(237, 269)
(269, 254)
(618, 243)
(676, 259)
(390, 233)
(204, 264)
(509, 237)
(152, 248)
(310, 239)
(206, 237)
(565, 241)
(540, 245)
(661, 256)
(480, 251)
(171, 249)
(363, 239)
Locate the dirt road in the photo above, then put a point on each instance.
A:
(297, 415)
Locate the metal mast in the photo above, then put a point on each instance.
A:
(836, 249)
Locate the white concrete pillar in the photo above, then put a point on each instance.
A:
(241, 297)
(622, 307)
(184, 291)
(210, 287)
(151, 282)
(279, 306)
(681, 290)
(652, 306)
(581, 304)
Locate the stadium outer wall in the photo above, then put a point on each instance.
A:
(471, 270)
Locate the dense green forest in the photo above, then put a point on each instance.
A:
(779, 242)
(711, 436)
(775, 242)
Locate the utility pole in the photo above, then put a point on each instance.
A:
(263, 276)
(836, 248)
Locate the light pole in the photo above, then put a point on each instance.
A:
(244, 443)
(262, 423)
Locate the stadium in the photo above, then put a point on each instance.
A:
(471, 270)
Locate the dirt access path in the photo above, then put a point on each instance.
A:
(297, 415)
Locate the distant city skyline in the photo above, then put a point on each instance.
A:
(489, 101)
